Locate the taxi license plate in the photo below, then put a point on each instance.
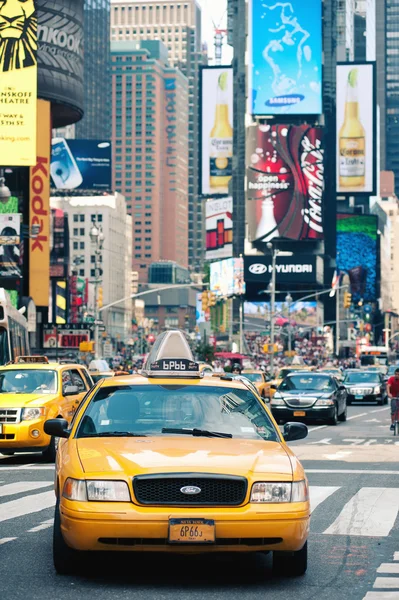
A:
(189, 531)
(299, 413)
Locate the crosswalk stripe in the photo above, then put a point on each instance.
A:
(381, 596)
(22, 486)
(396, 556)
(371, 512)
(389, 568)
(26, 505)
(387, 582)
(5, 540)
(320, 493)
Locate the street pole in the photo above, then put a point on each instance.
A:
(272, 308)
(337, 325)
(289, 325)
(241, 326)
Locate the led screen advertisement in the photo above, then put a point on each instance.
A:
(80, 164)
(18, 83)
(227, 277)
(219, 228)
(285, 182)
(299, 314)
(285, 57)
(216, 149)
(357, 253)
(356, 129)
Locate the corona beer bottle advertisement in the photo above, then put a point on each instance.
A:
(18, 82)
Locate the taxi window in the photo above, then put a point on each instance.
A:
(148, 410)
(78, 380)
(87, 379)
(254, 377)
(28, 381)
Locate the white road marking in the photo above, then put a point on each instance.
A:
(323, 441)
(373, 421)
(396, 556)
(387, 582)
(389, 568)
(381, 596)
(380, 410)
(45, 525)
(369, 442)
(353, 471)
(349, 419)
(28, 468)
(5, 540)
(371, 512)
(354, 441)
(26, 505)
(357, 416)
(337, 456)
(22, 486)
(320, 493)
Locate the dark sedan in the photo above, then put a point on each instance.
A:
(309, 396)
(366, 386)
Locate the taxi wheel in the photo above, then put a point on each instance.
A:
(291, 564)
(334, 419)
(65, 558)
(50, 452)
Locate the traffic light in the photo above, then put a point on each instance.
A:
(212, 299)
(100, 301)
(347, 299)
(205, 301)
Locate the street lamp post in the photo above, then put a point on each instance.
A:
(97, 238)
(288, 299)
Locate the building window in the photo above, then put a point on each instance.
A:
(75, 218)
(76, 231)
(82, 231)
(75, 245)
(82, 218)
(92, 272)
(82, 272)
(82, 245)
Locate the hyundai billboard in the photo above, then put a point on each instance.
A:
(285, 57)
(80, 164)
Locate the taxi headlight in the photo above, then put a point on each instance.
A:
(30, 414)
(325, 402)
(75, 489)
(107, 491)
(274, 493)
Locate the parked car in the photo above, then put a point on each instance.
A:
(366, 386)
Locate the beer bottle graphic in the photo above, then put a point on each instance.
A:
(352, 140)
(221, 140)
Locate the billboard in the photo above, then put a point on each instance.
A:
(285, 57)
(10, 230)
(39, 210)
(219, 228)
(65, 336)
(59, 243)
(18, 83)
(227, 277)
(301, 314)
(357, 253)
(216, 144)
(285, 182)
(60, 58)
(296, 270)
(356, 129)
(80, 164)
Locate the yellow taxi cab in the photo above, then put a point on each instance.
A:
(284, 371)
(261, 379)
(169, 461)
(32, 390)
(206, 370)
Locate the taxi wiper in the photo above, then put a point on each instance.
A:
(113, 434)
(196, 432)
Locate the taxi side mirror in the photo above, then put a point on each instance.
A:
(273, 386)
(294, 431)
(70, 390)
(57, 428)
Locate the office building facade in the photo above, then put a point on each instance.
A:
(178, 25)
(150, 150)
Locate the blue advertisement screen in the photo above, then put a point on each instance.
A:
(80, 164)
(285, 45)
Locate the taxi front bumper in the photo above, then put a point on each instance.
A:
(250, 528)
(20, 437)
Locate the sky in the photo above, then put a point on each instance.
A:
(214, 13)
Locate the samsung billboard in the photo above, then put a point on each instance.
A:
(285, 57)
(80, 164)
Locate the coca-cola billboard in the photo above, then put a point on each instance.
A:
(285, 182)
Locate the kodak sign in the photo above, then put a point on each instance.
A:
(39, 210)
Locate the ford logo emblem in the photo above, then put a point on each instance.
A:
(190, 490)
(257, 269)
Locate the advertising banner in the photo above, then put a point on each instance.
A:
(356, 129)
(285, 182)
(65, 336)
(59, 236)
(39, 210)
(301, 314)
(216, 146)
(297, 269)
(10, 229)
(357, 253)
(285, 57)
(80, 164)
(227, 277)
(219, 228)
(18, 83)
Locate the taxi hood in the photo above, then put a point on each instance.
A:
(23, 400)
(140, 456)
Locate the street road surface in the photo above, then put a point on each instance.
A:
(353, 471)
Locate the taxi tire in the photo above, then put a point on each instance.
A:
(334, 420)
(50, 452)
(65, 559)
(344, 415)
(291, 564)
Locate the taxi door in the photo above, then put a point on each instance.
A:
(71, 400)
(83, 386)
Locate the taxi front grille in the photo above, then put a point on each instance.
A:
(10, 415)
(166, 490)
(164, 541)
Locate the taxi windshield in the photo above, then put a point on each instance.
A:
(307, 382)
(155, 410)
(254, 377)
(28, 381)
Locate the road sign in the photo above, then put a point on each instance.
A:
(98, 322)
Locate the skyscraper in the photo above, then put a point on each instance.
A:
(150, 150)
(392, 88)
(178, 25)
(96, 123)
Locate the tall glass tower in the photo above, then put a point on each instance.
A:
(392, 89)
(96, 123)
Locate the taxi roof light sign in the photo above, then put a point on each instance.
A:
(30, 359)
(171, 356)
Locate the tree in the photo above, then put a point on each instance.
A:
(205, 352)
